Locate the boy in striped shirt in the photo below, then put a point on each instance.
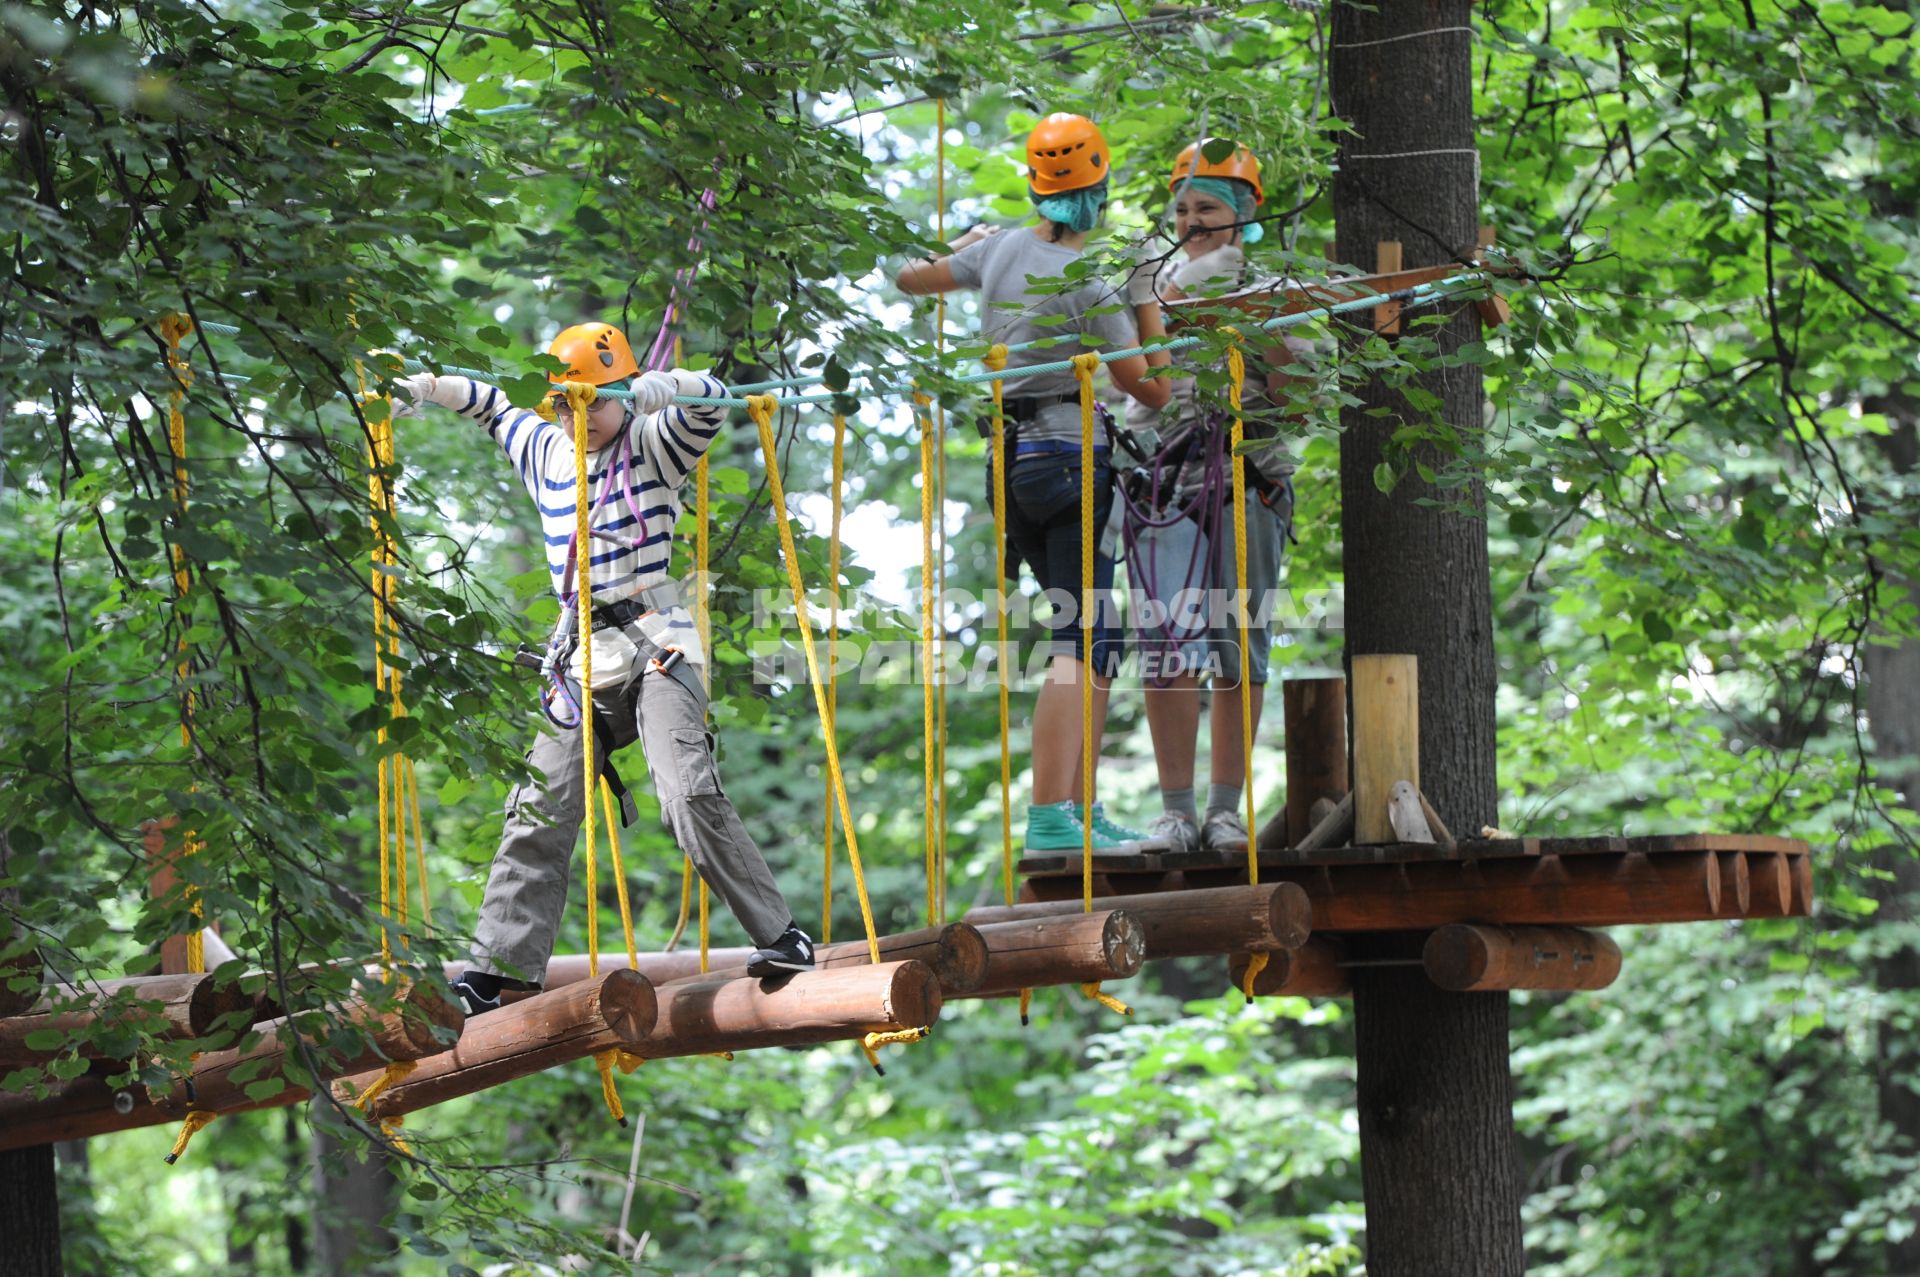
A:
(646, 657)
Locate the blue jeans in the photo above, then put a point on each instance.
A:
(1043, 528)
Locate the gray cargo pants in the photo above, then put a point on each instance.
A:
(527, 889)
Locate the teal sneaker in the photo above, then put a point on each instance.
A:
(1056, 827)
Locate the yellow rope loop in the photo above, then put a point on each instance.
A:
(761, 409)
(1083, 366)
(627, 1061)
(1107, 1000)
(890, 1037)
(833, 663)
(195, 1121)
(390, 1127)
(1255, 965)
(1236, 387)
(394, 1072)
(545, 409)
(604, 1061)
(174, 328)
(1026, 1006)
(619, 874)
(930, 814)
(996, 361)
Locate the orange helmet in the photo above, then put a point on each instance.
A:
(1241, 166)
(595, 353)
(1066, 153)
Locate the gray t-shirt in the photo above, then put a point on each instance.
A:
(1012, 309)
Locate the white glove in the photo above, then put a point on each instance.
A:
(1142, 287)
(699, 385)
(653, 392)
(1220, 267)
(411, 391)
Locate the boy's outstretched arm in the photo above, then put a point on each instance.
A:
(676, 437)
(526, 438)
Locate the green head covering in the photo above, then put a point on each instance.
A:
(1076, 210)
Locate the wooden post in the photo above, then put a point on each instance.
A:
(1386, 739)
(1472, 959)
(1493, 308)
(163, 1006)
(955, 952)
(1316, 742)
(1311, 971)
(1067, 948)
(1386, 316)
(616, 1010)
(1184, 924)
(162, 881)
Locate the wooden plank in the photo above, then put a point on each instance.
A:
(1063, 948)
(1182, 924)
(1313, 970)
(1474, 959)
(1265, 302)
(166, 1007)
(1386, 738)
(1316, 744)
(1386, 316)
(1581, 891)
(955, 952)
(615, 1010)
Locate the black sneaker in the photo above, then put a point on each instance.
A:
(793, 951)
(474, 1000)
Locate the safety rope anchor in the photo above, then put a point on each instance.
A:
(1092, 990)
(873, 1040)
(196, 1120)
(1255, 965)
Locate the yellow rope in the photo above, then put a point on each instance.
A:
(940, 504)
(833, 661)
(579, 396)
(1026, 1005)
(419, 846)
(195, 1121)
(394, 1072)
(871, 1041)
(996, 361)
(761, 408)
(686, 896)
(930, 814)
(1107, 1000)
(175, 329)
(1236, 385)
(1255, 965)
(604, 1061)
(1083, 366)
(619, 874)
(390, 1127)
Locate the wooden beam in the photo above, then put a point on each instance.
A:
(806, 1009)
(1386, 316)
(1266, 302)
(1316, 742)
(1386, 739)
(616, 1010)
(1493, 308)
(162, 881)
(168, 1007)
(1184, 924)
(86, 1106)
(1062, 948)
(1474, 959)
(1576, 891)
(1311, 971)
(955, 951)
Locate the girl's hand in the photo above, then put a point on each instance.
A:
(975, 235)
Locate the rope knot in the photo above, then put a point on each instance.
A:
(996, 360)
(761, 408)
(580, 394)
(1083, 365)
(175, 328)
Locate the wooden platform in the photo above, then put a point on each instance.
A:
(1587, 882)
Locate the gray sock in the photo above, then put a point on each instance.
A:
(1180, 803)
(1222, 797)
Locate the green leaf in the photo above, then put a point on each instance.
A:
(1219, 149)
(1655, 627)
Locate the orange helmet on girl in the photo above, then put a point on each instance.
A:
(1241, 166)
(597, 354)
(1066, 153)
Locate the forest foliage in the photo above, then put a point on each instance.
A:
(1702, 514)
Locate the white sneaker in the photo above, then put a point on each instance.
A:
(1175, 830)
(1224, 831)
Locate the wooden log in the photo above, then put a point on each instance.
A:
(616, 1010)
(1265, 300)
(805, 1009)
(1442, 836)
(168, 1007)
(1736, 884)
(1575, 891)
(1334, 827)
(1311, 971)
(1772, 885)
(1063, 948)
(163, 881)
(1386, 316)
(1800, 880)
(1316, 742)
(87, 1106)
(1386, 739)
(1473, 959)
(1184, 924)
(1408, 815)
(955, 951)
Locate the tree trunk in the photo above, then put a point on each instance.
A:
(352, 1202)
(30, 1212)
(1435, 1088)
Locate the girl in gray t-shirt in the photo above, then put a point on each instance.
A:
(1068, 164)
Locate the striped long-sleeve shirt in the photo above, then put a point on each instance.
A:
(665, 447)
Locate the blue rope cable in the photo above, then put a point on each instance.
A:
(1415, 293)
